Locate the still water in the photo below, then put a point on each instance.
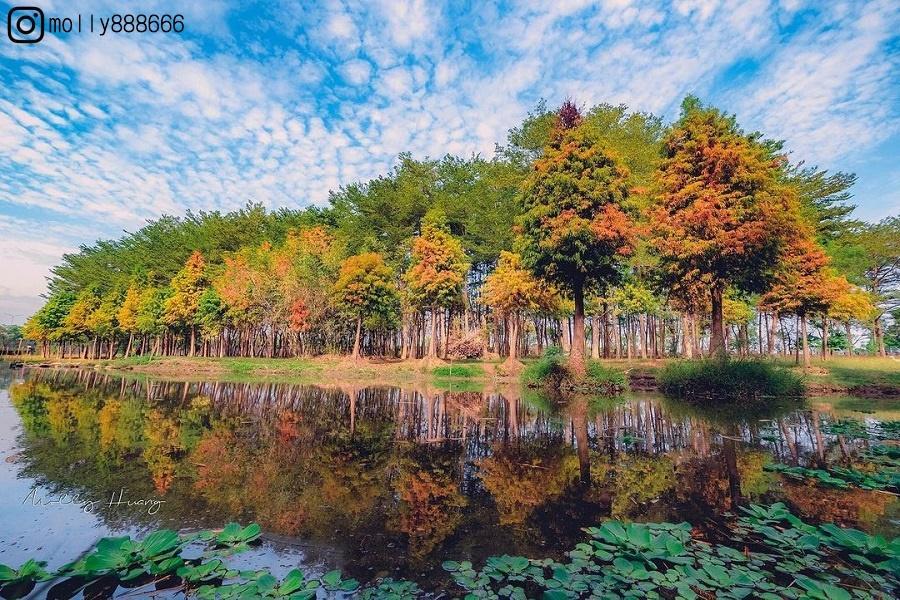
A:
(386, 481)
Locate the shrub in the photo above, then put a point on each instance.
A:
(550, 371)
(728, 380)
(547, 369)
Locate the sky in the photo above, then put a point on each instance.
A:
(280, 102)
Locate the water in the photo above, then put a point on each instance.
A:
(380, 481)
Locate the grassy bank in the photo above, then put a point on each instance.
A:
(836, 375)
(309, 370)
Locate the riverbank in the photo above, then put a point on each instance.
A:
(857, 376)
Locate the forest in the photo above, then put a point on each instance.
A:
(605, 232)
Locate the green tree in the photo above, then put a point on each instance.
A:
(877, 262)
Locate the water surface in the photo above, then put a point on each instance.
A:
(381, 481)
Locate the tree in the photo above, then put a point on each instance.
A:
(77, 322)
(437, 272)
(804, 285)
(10, 335)
(511, 290)
(150, 319)
(49, 322)
(128, 315)
(576, 226)
(102, 321)
(855, 305)
(724, 210)
(824, 200)
(633, 298)
(210, 313)
(365, 289)
(878, 261)
(187, 287)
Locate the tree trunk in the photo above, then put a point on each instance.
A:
(824, 338)
(717, 335)
(605, 330)
(356, 339)
(879, 337)
(806, 358)
(595, 336)
(642, 334)
(564, 332)
(849, 332)
(771, 336)
(687, 341)
(432, 343)
(513, 338)
(576, 355)
(193, 340)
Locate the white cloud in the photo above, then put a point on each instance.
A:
(341, 26)
(357, 71)
(118, 130)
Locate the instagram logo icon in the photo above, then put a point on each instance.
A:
(25, 24)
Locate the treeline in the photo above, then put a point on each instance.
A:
(692, 238)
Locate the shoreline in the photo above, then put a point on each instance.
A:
(850, 376)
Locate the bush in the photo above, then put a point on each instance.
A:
(547, 369)
(728, 380)
(550, 371)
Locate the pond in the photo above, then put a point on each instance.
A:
(388, 481)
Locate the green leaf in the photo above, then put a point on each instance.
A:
(332, 578)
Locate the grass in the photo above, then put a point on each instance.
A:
(856, 372)
(838, 372)
(728, 380)
(459, 385)
(467, 370)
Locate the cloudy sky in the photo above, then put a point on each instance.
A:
(278, 102)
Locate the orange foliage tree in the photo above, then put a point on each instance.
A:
(511, 290)
(576, 227)
(436, 276)
(804, 285)
(723, 212)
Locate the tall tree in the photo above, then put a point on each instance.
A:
(576, 227)
(365, 290)
(877, 262)
(804, 285)
(724, 211)
(511, 290)
(436, 273)
(187, 287)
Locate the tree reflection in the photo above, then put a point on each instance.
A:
(417, 466)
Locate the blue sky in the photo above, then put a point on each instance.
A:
(279, 102)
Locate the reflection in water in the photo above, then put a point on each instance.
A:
(395, 480)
